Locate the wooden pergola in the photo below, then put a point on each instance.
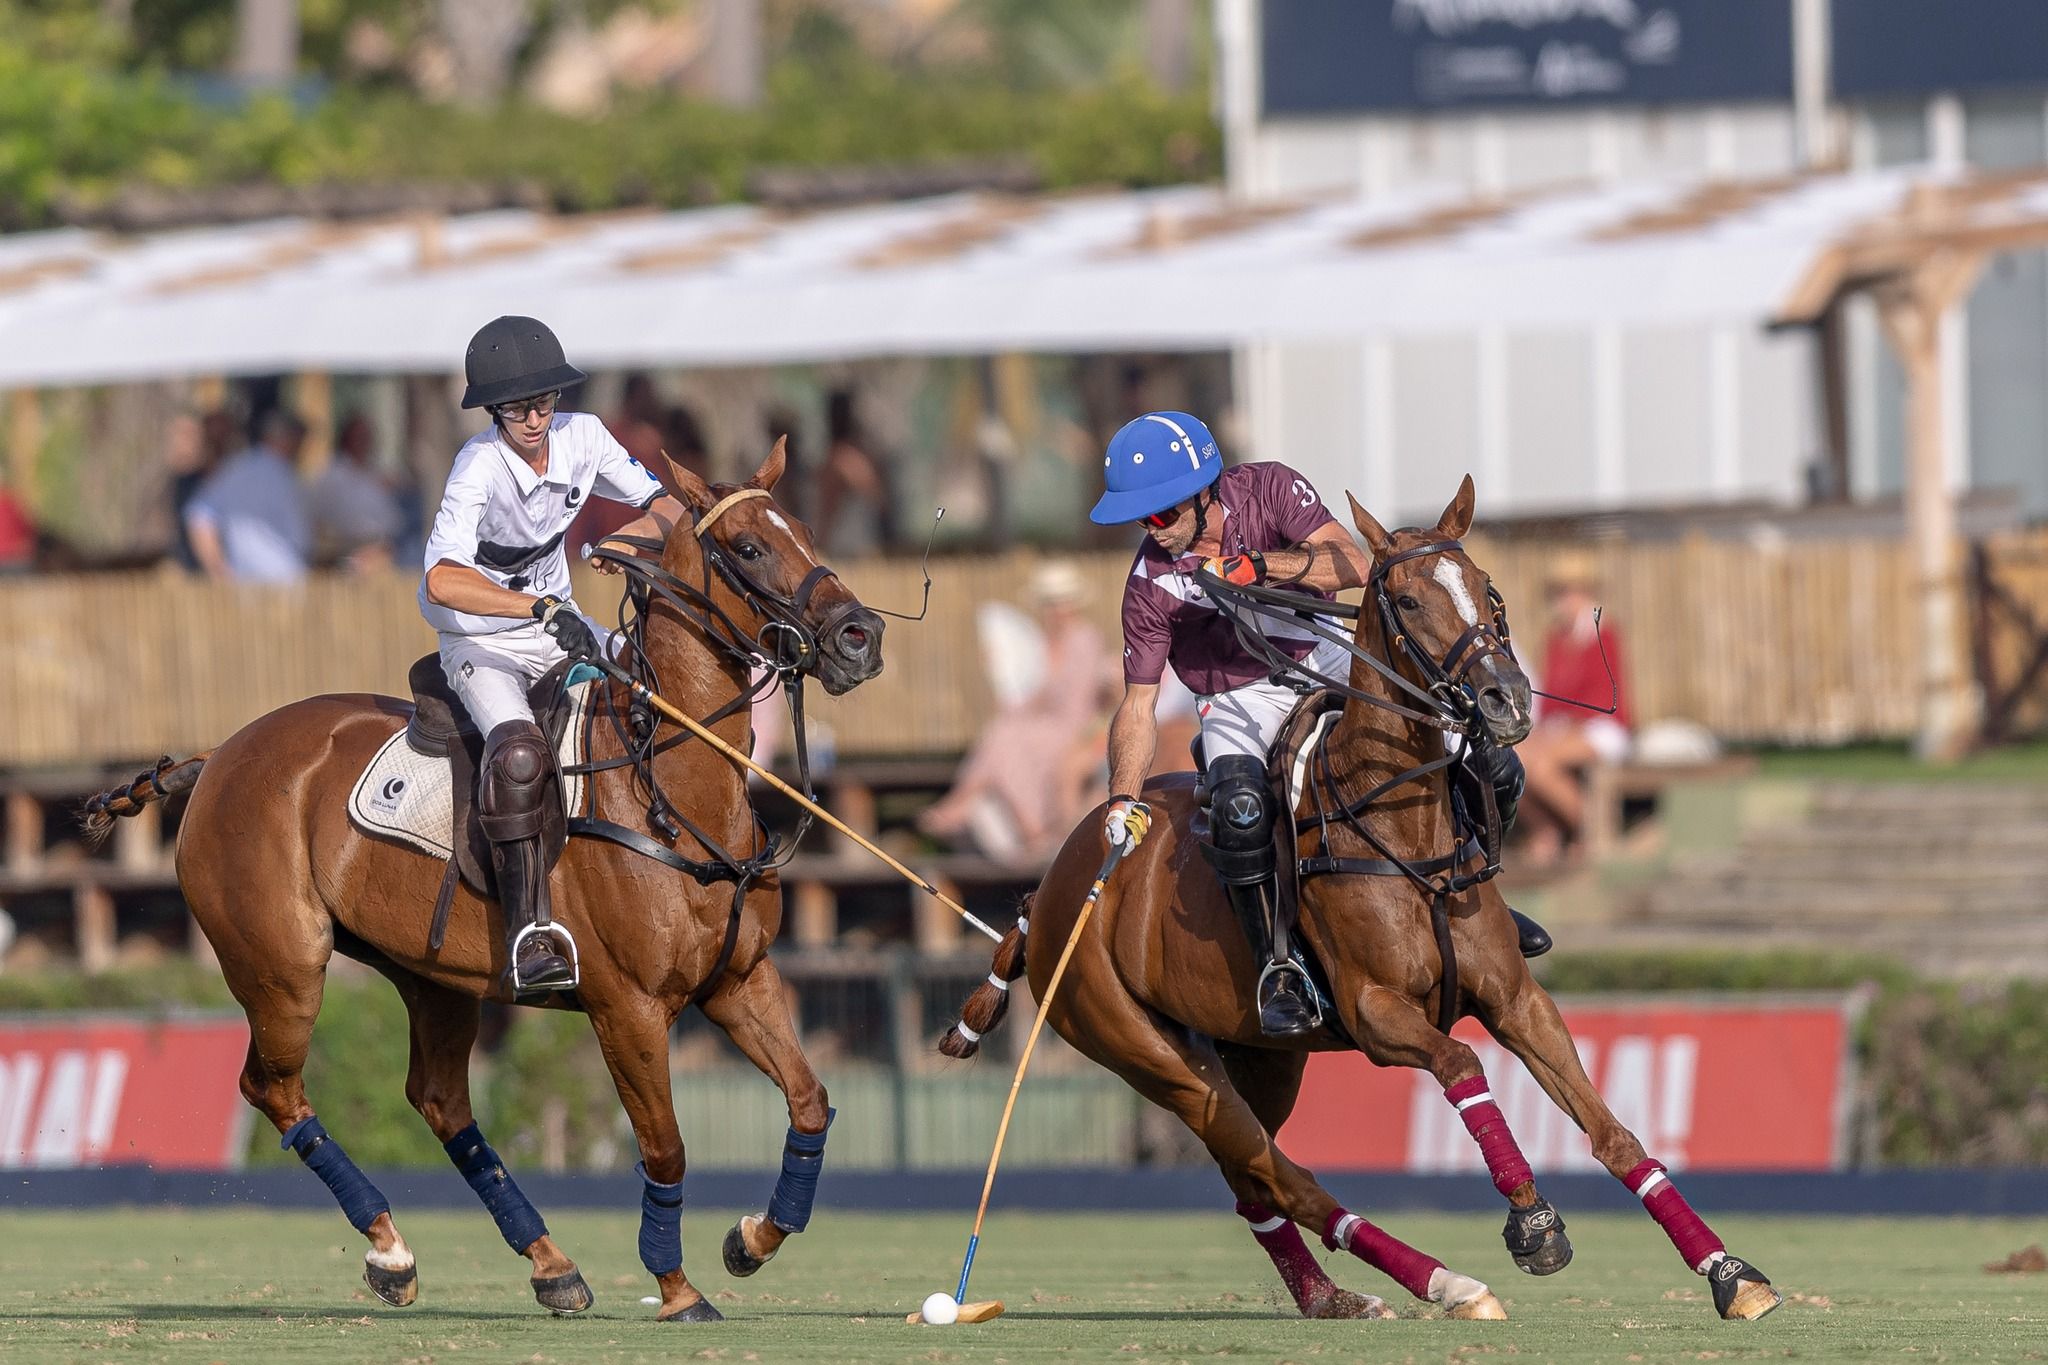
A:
(1918, 265)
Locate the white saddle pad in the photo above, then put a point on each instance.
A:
(407, 795)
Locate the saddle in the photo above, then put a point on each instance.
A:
(441, 727)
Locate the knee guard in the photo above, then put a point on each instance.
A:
(517, 770)
(1240, 845)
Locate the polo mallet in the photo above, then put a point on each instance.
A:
(703, 732)
(992, 1308)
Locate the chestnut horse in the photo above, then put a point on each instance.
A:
(279, 880)
(1162, 992)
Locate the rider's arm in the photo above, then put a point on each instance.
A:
(1328, 560)
(459, 587)
(1133, 738)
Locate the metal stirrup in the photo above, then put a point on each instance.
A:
(563, 939)
(1315, 1005)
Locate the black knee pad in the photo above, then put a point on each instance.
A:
(1240, 845)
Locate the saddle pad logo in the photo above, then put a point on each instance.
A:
(405, 795)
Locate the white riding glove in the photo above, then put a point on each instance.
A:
(1126, 821)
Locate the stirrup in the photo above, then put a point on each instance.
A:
(566, 946)
(1308, 992)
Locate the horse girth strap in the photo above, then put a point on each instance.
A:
(1324, 864)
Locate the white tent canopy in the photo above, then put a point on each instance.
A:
(1178, 269)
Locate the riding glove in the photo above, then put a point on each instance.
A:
(1126, 822)
(566, 624)
(1243, 570)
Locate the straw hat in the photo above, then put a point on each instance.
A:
(1572, 569)
(1058, 581)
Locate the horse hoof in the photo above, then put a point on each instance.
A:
(739, 1261)
(1535, 1238)
(1742, 1293)
(399, 1288)
(700, 1311)
(563, 1295)
(1343, 1304)
(1483, 1307)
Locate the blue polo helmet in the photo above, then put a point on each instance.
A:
(1154, 462)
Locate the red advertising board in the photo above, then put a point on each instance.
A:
(104, 1090)
(1706, 1085)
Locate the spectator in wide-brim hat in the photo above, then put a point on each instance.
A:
(1569, 739)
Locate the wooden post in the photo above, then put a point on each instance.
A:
(24, 442)
(313, 397)
(1913, 306)
(92, 910)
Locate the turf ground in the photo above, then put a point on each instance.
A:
(247, 1285)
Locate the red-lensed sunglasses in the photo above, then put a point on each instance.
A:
(1159, 521)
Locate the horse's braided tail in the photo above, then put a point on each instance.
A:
(991, 999)
(167, 779)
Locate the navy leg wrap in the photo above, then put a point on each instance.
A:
(803, 1157)
(517, 1219)
(661, 1224)
(360, 1201)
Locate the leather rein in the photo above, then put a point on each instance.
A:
(1444, 701)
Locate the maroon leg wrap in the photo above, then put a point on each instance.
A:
(1298, 1267)
(1483, 1120)
(1408, 1267)
(1695, 1241)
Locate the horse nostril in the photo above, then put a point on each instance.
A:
(854, 641)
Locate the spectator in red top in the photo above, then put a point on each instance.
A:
(1570, 739)
(17, 535)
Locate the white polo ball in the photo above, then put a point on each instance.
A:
(941, 1310)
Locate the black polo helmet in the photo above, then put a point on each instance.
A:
(511, 358)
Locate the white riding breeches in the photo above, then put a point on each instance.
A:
(493, 673)
(1247, 719)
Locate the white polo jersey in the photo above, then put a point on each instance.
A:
(507, 522)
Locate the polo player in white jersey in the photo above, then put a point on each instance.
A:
(497, 589)
(1251, 523)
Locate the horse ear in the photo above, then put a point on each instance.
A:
(682, 484)
(1376, 538)
(772, 467)
(1457, 518)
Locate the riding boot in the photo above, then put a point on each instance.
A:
(1533, 937)
(1285, 1009)
(518, 768)
(1240, 848)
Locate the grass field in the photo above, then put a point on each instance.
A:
(248, 1285)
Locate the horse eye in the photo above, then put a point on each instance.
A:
(747, 549)
(1410, 604)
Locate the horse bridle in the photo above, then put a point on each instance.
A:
(1448, 678)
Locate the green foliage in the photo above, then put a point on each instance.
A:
(1959, 1075)
(1593, 973)
(78, 123)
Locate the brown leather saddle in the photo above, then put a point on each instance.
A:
(441, 726)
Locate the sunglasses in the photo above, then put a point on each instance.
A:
(1159, 521)
(543, 406)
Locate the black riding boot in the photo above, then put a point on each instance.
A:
(1240, 848)
(517, 770)
(1285, 1007)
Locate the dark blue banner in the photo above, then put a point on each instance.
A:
(1349, 56)
(1916, 47)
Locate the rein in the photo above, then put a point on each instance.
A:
(1449, 707)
